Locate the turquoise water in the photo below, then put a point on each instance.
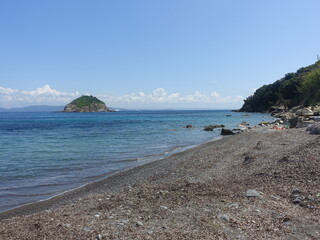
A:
(44, 154)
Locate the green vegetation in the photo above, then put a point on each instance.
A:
(84, 101)
(299, 88)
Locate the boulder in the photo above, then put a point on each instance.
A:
(292, 122)
(188, 126)
(211, 127)
(296, 108)
(225, 131)
(314, 128)
(304, 112)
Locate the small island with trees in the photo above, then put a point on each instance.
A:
(86, 104)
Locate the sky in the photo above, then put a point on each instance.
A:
(160, 54)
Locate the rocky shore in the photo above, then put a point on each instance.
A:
(260, 184)
(298, 116)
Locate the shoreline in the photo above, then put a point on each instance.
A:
(94, 186)
(261, 184)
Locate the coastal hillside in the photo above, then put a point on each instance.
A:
(86, 104)
(299, 88)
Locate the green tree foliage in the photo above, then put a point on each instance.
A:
(86, 101)
(311, 88)
(301, 87)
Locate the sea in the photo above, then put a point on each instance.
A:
(43, 154)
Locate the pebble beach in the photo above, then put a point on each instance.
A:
(260, 184)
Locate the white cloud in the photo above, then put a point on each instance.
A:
(6, 91)
(43, 95)
(159, 98)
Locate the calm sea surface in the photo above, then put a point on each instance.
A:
(44, 154)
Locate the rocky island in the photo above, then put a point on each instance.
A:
(86, 104)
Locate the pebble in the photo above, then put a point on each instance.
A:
(99, 237)
(252, 193)
(297, 199)
(207, 210)
(124, 221)
(139, 224)
(86, 229)
(234, 205)
(67, 225)
(224, 217)
(164, 207)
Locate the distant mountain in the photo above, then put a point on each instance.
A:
(299, 88)
(38, 108)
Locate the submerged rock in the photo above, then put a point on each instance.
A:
(211, 127)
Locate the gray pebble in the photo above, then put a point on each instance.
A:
(252, 193)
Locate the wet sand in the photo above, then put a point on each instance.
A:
(196, 194)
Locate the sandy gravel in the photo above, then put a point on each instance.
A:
(197, 194)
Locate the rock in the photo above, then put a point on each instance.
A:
(248, 160)
(99, 237)
(188, 126)
(314, 128)
(304, 112)
(283, 160)
(297, 200)
(252, 193)
(244, 124)
(286, 115)
(225, 131)
(234, 205)
(293, 121)
(122, 222)
(224, 217)
(164, 207)
(139, 224)
(258, 146)
(296, 197)
(66, 225)
(264, 124)
(304, 124)
(211, 127)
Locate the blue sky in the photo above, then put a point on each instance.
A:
(151, 54)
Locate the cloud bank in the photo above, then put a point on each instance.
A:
(41, 96)
(159, 98)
